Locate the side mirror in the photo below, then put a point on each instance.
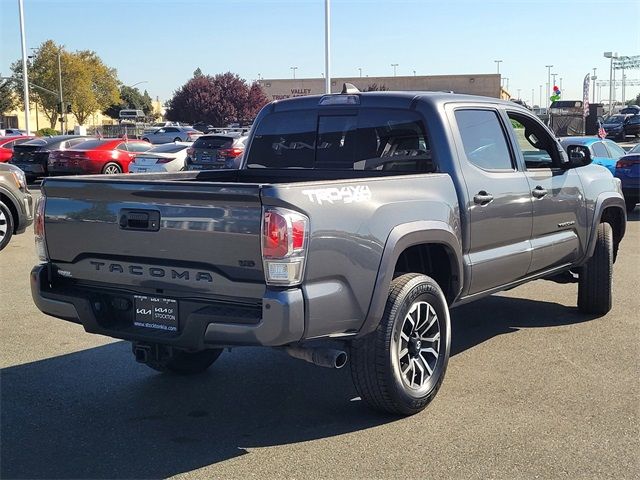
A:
(579, 156)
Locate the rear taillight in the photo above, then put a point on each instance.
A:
(38, 230)
(627, 162)
(284, 244)
(230, 152)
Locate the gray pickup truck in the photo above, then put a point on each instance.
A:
(357, 221)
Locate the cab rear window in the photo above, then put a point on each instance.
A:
(368, 139)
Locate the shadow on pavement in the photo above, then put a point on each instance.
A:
(98, 414)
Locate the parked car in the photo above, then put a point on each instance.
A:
(172, 134)
(16, 204)
(631, 109)
(202, 127)
(216, 151)
(101, 155)
(635, 149)
(168, 157)
(158, 125)
(628, 171)
(7, 144)
(603, 152)
(33, 156)
(354, 225)
(12, 132)
(620, 126)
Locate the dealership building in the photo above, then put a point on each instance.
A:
(484, 84)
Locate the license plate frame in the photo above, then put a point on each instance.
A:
(156, 313)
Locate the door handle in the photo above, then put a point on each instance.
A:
(483, 198)
(539, 192)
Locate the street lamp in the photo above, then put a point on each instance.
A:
(518, 94)
(548, 83)
(25, 74)
(137, 83)
(540, 104)
(506, 83)
(498, 62)
(293, 69)
(394, 65)
(560, 83)
(554, 75)
(414, 73)
(610, 56)
(593, 79)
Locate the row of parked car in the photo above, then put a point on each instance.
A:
(74, 154)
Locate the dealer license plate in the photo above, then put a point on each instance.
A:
(156, 313)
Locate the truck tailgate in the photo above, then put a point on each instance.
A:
(195, 238)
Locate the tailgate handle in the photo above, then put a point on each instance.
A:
(148, 220)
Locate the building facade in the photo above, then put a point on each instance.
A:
(487, 85)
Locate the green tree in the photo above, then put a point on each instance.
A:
(634, 101)
(7, 98)
(87, 83)
(130, 97)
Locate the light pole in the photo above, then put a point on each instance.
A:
(498, 62)
(327, 46)
(360, 70)
(414, 73)
(540, 104)
(62, 109)
(593, 79)
(554, 75)
(293, 69)
(518, 94)
(560, 83)
(610, 56)
(506, 83)
(138, 83)
(533, 98)
(394, 65)
(25, 74)
(548, 83)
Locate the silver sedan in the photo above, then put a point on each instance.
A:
(172, 134)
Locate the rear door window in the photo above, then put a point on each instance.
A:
(599, 150)
(615, 151)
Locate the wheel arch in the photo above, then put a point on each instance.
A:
(417, 240)
(610, 208)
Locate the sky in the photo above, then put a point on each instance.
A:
(161, 42)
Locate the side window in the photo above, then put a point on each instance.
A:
(138, 147)
(171, 130)
(75, 141)
(9, 145)
(538, 148)
(122, 147)
(599, 150)
(615, 151)
(162, 130)
(483, 139)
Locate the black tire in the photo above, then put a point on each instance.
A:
(146, 140)
(177, 139)
(111, 168)
(595, 278)
(6, 225)
(631, 204)
(375, 361)
(186, 363)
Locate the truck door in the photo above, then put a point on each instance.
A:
(559, 211)
(498, 200)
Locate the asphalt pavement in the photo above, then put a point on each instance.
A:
(534, 390)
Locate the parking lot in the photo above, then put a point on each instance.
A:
(533, 390)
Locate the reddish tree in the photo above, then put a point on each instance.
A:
(219, 100)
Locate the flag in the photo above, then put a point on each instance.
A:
(602, 133)
(585, 96)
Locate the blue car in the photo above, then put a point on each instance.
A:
(628, 171)
(603, 152)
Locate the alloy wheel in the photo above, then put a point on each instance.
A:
(4, 225)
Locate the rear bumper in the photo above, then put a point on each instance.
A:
(279, 320)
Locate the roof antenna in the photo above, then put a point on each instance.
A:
(349, 88)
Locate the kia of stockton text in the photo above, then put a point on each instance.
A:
(356, 222)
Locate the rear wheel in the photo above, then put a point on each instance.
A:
(6, 225)
(177, 139)
(595, 278)
(111, 168)
(400, 366)
(146, 140)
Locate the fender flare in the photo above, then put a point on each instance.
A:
(402, 237)
(605, 200)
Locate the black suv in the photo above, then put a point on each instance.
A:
(619, 126)
(32, 156)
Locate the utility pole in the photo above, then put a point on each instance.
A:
(548, 84)
(62, 109)
(25, 74)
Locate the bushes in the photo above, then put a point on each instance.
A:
(47, 132)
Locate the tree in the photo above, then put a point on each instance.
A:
(197, 73)
(634, 101)
(87, 83)
(218, 100)
(7, 98)
(130, 97)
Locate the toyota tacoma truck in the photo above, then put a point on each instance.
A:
(355, 223)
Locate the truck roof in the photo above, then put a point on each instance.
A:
(389, 99)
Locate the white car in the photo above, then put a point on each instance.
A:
(168, 157)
